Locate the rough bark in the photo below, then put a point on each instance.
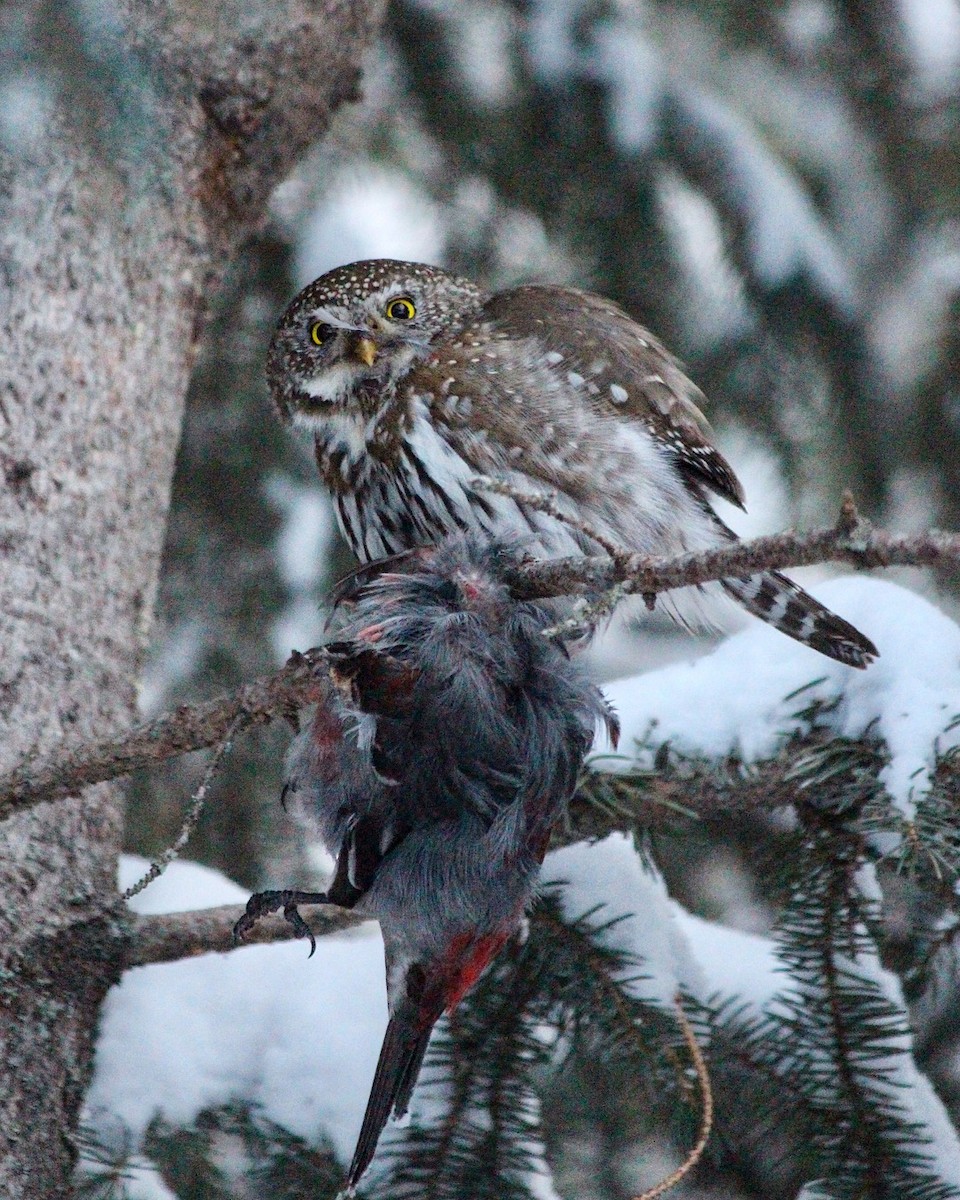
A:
(120, 204)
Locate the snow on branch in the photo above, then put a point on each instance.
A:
(196, 726)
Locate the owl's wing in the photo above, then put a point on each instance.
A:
(622, 369)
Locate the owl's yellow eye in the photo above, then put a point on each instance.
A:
(401, 309)
(319, 333)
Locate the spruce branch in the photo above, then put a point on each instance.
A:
(847, 1039)
(751, 1072)
(595, 981)
(196, 726)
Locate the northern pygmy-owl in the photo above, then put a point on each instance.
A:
(413, 382)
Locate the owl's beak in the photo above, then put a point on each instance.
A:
(363, 349)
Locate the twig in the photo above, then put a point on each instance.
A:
(197, 801)
(706, 1114)
(193, 727)
(549, 503)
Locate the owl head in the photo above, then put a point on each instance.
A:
(351, 334)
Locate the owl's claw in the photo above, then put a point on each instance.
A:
(262, 903)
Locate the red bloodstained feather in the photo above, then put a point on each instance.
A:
(326, 729)
(466, 959)
(472, 591)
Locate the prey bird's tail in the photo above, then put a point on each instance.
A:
(781, 603)
(401, 1057)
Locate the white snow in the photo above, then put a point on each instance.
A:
(784, 233)
(709, 960)
(610, 873)
(479, 38)
(299, 626)
(623, 58)
(183, 646)
(308, 524)
(266, 1025)
(143, 1182)
(733, 963)
(807, 23)
(694, 228)
(550, 27)
(913, 313)
(303, 554)
(300, 1037)
(183, 887)
(760, 470)
(734, 701)
(26, 107)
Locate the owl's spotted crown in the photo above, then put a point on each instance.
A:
(352, 285)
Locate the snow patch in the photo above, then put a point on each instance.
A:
(785, 236)
(303, 545)
(263, 1024)
(611, 874)
(735, 700)
(932, 29)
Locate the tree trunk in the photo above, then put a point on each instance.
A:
(133, 157)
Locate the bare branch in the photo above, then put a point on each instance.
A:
(169, 937)
(852, 540)
(192, 727)
(188, 727)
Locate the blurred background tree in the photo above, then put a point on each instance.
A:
(773, 186)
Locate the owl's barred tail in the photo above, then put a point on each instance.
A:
(781, 603)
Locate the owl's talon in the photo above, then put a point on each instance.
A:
(292, 914)
(261, 904)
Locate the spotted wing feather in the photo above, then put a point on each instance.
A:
(627, 372)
